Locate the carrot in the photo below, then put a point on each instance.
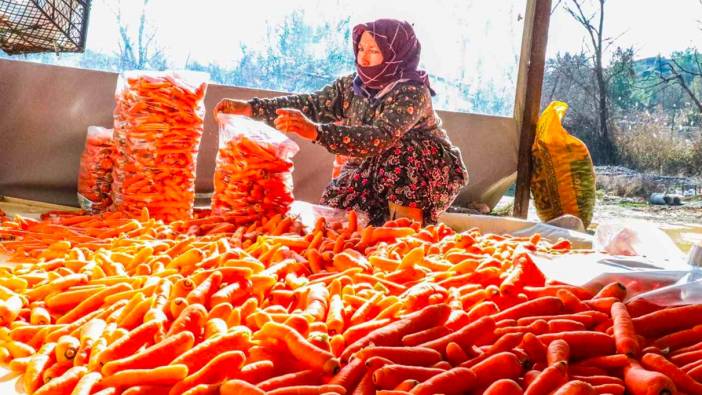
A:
(482, 309)
(587, 318)
(198, 356)
(223, 366)
(524, 272)
(202, 293)
(576, 387)
(454, 381)
(349, 376)
(304, 377)
(455, 354)
(614, 289)
(558, 351)
(308, 390)
(614, 389)
(389, 376)
(680, 338)
(239, 387)
(393, 333)
(129, 344)
(87, 383)
(309, 354)
(560, 325)
(64, 383)
(418, 356)
(162, 376)
(668, 320)
(159, 354)
(681, 379)
(504, 387)
(204, 389)
(598, 380)
(191, 319)
(548, 380)
(583, 343)
(639, 381)
(465, 337)
(571, 302)
(535, 348)
(44, 357)
(504, 365)
(92, 303)
(602, 304)
(426, 335)
(685, 358)
(606, 361)
(255, 372)
(539, 306)
(624, 333)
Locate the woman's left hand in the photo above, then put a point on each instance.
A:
(292, 120)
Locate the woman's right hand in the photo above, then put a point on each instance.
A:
(233, 106)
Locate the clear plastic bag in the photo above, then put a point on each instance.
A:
(637, 238)
(308, 214)
(253, 176)
(95, 172)
(159, 121)
(687, 290)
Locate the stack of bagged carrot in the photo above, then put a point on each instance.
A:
(108, 304)
(95, 172)
(157, 130)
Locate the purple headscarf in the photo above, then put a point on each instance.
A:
(400, 49)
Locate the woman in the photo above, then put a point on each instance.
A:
(399, 161)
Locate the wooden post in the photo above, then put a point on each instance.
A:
(528, 98)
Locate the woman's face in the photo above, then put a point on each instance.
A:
(368, 52)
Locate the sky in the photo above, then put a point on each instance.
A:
(212, 30)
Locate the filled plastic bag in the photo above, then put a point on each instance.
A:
(158, 121)
(95, 172)
(253, 175)
(563, 179)
(637, 238)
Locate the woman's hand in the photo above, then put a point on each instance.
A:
(233, 106)
(292, 120)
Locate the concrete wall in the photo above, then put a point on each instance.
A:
(45, 111)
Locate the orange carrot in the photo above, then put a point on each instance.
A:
(548, 380)
(302, 349)
(239, 387)
(539, 306)
(162, 376)
(681, 379)
(558, 351)
(350, 374)
(64, 383)
(668, 320)
(504, 387)
(133, 341)
(198, 356)
(223, 366)
(465, 337)
(583, 343)
(389, 376)
(454, 381)
(304, 377)
(393, 333)
(418, 356)
(191, 319)
(640, 381)
(426, 335)
(613, 289)
(624, 334)
(159, 354)
(576, 387)
(504, 365)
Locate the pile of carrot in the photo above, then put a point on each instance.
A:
(95, 172)
(251, 179)
(158, 124)
(106, 304)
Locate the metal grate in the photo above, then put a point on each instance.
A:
(30, 26)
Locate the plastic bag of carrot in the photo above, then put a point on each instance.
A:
(253, 176)
(158, 122)
(95, 172)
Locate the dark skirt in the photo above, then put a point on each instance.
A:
(422, 172)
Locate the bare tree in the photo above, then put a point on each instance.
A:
(594, 26)
(137, 52)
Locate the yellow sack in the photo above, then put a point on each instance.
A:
(563, 178)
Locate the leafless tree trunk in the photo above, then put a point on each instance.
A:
(594, 25)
